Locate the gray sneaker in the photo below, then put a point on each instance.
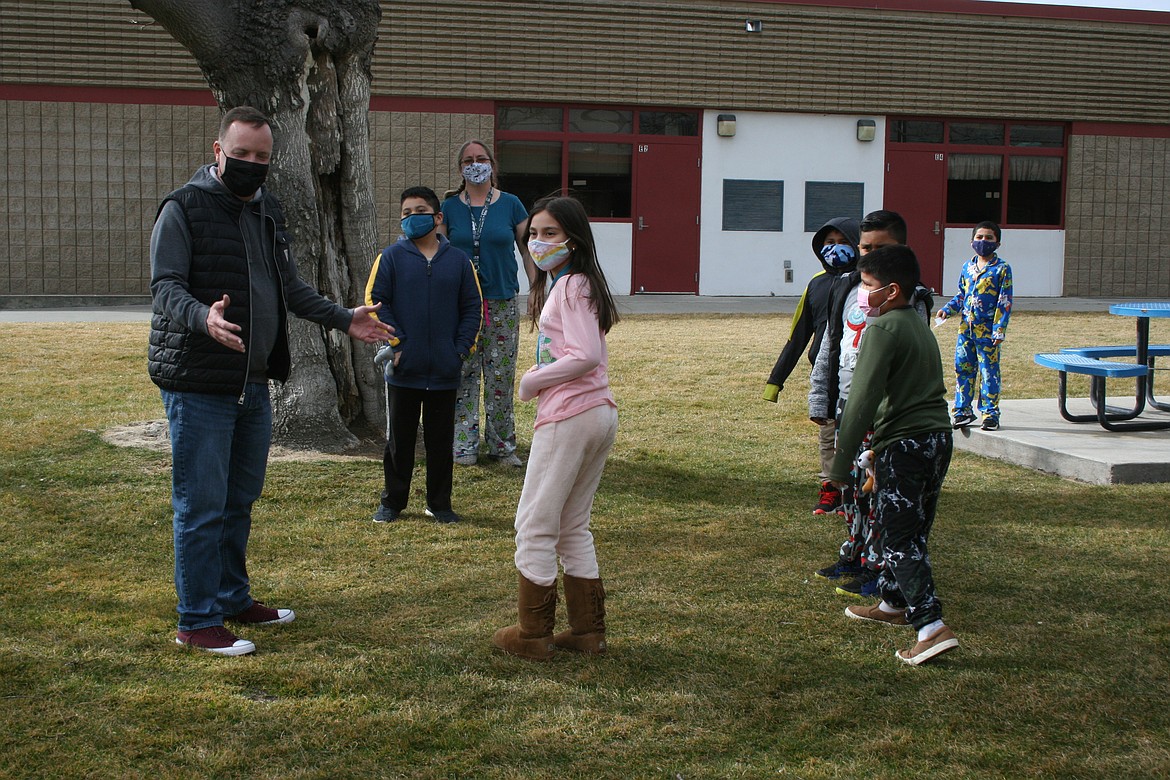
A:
(385, 514)
(443, 515)
(466, 460)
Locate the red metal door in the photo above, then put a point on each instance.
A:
(916, 188)
(666, 217)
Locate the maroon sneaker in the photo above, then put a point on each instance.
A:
(260, 615)
(215, 639)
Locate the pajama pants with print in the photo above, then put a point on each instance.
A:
(976, 356)
(495, 362)
(910, 474)
(861, 545)
(564, 470)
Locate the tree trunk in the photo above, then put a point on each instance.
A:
(306, 64)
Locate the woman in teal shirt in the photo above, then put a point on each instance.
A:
(489, 225)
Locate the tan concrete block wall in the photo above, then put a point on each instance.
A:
(1118, 217)
(83, 183)
(410, 148)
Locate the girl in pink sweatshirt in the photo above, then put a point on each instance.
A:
(576, 422)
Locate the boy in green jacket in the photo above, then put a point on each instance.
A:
(898, 393)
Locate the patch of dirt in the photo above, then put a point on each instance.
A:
(154, 435)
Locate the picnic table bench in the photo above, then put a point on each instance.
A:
(1090, 361)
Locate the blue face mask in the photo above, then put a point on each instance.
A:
(985, 248)
(418, 225)
(838, 255)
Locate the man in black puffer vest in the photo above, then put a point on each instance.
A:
(223, 282)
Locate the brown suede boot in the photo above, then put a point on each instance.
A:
(532, 636)
(585, 600)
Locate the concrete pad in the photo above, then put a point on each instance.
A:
(1033, 434)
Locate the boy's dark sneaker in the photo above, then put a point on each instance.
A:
(963, 420)
(990, 424)
(874, 612)
(864, 585)
(385, 514)
(936, 644)
(215, 639)
(828, 501)
(838, 570)
(443, 515)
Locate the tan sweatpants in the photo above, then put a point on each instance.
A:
(564, 470)
(827, 439)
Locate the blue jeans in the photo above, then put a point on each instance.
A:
(219, 452)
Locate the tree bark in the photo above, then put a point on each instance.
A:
(306, 64)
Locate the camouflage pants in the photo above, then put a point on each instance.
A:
(910, 474)
(861, 543)
(495, 362)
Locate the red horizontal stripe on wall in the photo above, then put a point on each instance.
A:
(972, 7)
(1120, 130)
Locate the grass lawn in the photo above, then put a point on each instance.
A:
(727, 657)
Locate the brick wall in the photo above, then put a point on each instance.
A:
(1117, 217)
(83, 183)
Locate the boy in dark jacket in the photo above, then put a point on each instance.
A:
(430, 296)
(835, 245)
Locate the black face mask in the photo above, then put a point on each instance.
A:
(243, 178)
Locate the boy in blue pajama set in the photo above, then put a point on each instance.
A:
(985, 301)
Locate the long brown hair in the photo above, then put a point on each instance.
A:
(571, 216)
(459, 157)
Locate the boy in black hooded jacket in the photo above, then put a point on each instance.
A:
(835, 245)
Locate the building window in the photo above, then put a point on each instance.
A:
(915, 131)
(599, 177)
(530, 170)
(753, 205)
(824, 200)
(530, 118)
(1012, 174)
(668, 122)
(1034, 187)
(585, 151)
(973, 187)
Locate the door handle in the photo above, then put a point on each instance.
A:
(642, 224)
(936, 227)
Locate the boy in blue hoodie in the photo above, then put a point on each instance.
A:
(835, 245)
(430, 296)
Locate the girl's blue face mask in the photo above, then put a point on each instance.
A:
(416, 226)
(838, 255)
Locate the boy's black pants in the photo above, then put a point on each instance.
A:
(438, 417)
(909, 475)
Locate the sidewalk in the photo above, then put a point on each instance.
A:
(628, 304)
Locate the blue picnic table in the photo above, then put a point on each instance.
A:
(1095, 362)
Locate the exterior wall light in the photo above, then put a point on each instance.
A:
(725, 125)
(866, 130)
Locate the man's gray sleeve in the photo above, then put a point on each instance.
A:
(170, 265)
